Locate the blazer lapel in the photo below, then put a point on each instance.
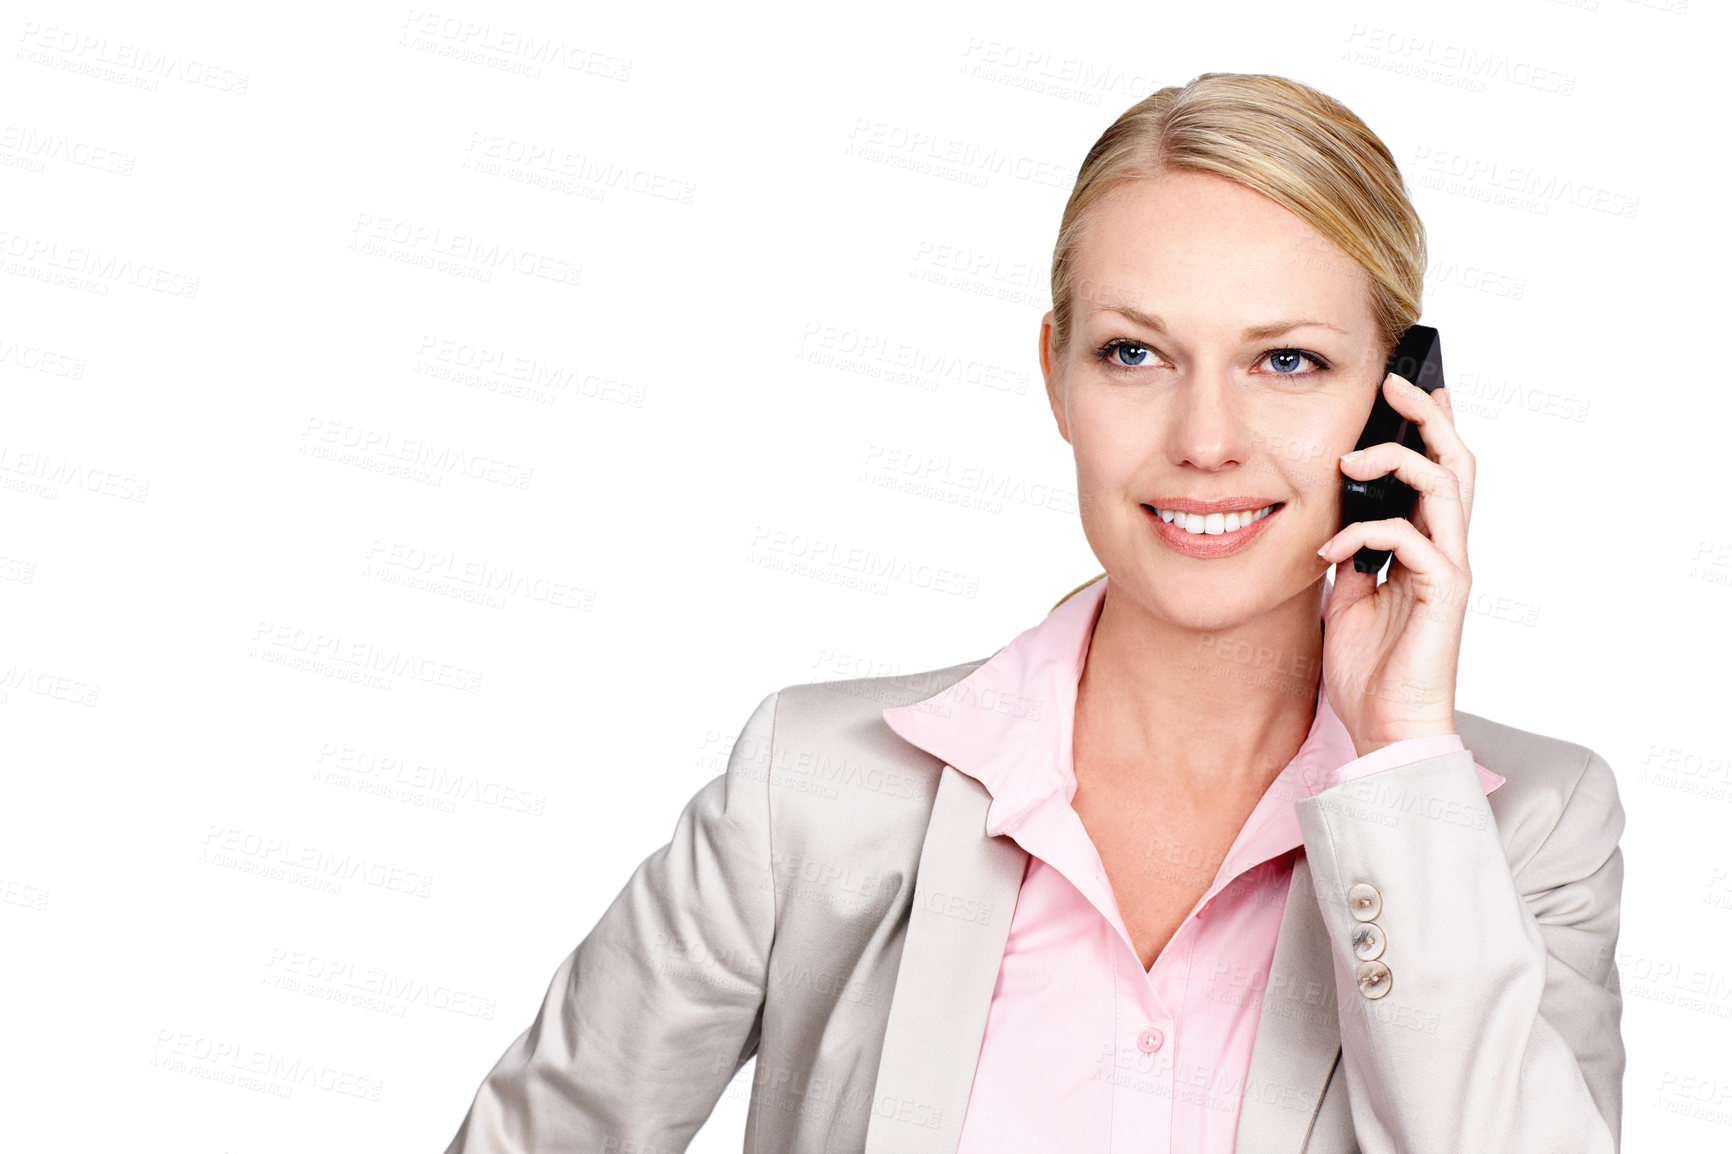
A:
(965, 891)
(1298, 1033)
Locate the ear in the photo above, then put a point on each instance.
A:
(1054, 382)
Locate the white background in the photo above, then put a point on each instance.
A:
(227, 239)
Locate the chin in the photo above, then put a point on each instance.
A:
(1213, 596)
(1212, 605)
(1208, 601)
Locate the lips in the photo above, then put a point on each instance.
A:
(1214, 523)
(1211, 537)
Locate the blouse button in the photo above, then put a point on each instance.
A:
(1364, 900)
(1149, 1040)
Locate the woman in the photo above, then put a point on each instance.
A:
(1204, 861)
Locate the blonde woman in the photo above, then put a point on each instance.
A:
(1204, 861)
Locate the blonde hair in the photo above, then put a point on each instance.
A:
(1302, 149)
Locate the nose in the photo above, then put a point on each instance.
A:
(1208, 430)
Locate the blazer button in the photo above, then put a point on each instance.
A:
(1374, 979)
(1149, 1040)
(1367, 941)
(1364, 900)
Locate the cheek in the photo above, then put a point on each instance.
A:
(1109, 452)
(1304, 451)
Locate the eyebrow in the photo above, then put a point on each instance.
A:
(1254, 333)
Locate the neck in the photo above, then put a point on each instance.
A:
(1199, 711)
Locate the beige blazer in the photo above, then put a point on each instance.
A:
(832, 904)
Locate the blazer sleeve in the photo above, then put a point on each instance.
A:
(653, 1013)
(1495, 1025)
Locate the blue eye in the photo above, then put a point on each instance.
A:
(1286, 362)
(1120, 353)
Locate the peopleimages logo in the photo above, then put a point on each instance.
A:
(414, 451)
(282, 859)
(278, 643)
(235, 1063)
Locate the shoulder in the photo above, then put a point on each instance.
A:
(847, 716)
(861, 699)
(1557, 795)
(828, 740)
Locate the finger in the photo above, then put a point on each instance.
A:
(1436, 429)
(1439, 502)
(1440, 580)
(1445, 405)
(1349, 585)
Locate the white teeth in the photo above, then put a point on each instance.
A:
(1214, 523)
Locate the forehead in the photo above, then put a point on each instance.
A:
(1189, 243)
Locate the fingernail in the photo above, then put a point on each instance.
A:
(1355, 454)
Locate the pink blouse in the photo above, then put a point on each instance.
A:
(1084, 1050)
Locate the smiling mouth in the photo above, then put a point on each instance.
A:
(1214, 524)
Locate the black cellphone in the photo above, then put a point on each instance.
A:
(1418, 357)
